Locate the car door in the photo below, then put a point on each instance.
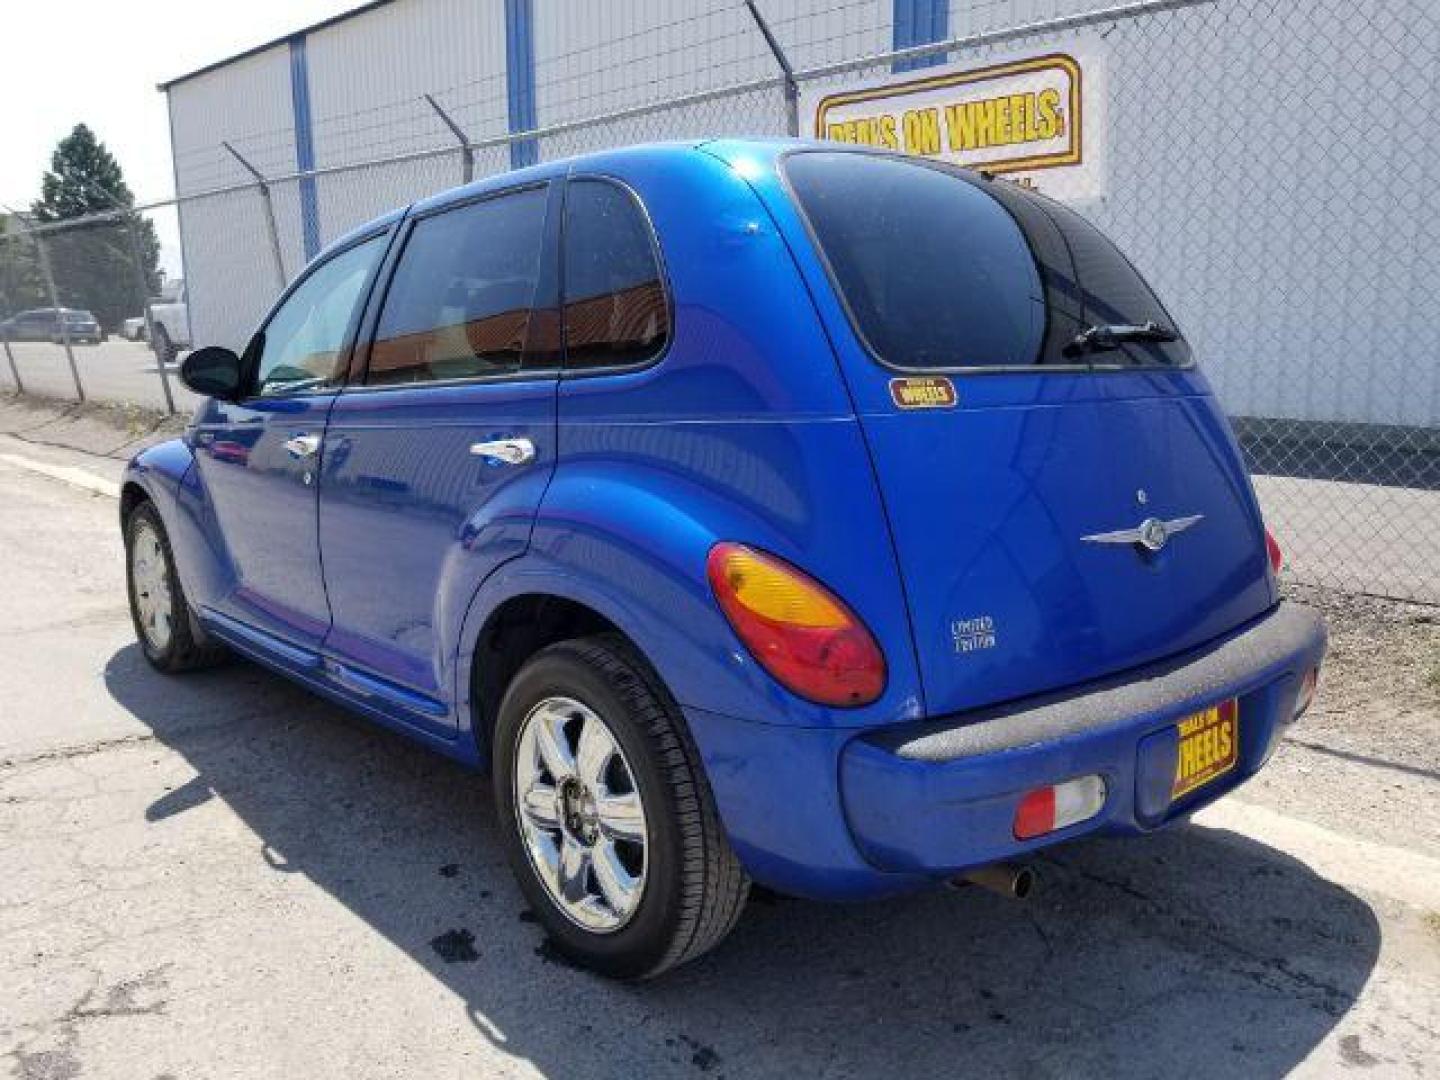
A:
(259, 457)
(436, 461)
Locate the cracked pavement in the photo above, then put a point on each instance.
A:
(220, 875)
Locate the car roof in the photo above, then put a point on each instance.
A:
(757, 152)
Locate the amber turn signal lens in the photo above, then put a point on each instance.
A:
(797, 630)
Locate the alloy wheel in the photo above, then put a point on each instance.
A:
(580, 814)
(151, 579)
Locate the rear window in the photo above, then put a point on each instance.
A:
(941, 268)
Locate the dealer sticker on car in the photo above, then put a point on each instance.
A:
(1207, 750)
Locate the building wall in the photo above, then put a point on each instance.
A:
(1256, 171)
(224, 240)
(367, 78)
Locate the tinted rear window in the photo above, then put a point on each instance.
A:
(940, 268)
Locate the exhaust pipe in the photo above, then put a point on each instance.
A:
(1014, 881)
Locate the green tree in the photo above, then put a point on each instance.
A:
(21, 285)
(92, 259)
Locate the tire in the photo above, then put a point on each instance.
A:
(691, 888)
(157, 600)
(164, 348)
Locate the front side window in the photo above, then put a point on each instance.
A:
(615, 308)
(459, 305)
(300, 346)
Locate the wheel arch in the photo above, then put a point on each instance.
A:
(513, 630)
(132, 494)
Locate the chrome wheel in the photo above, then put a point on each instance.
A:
(150, 579)
(580, 815)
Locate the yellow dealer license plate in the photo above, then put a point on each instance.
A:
(1209, 741)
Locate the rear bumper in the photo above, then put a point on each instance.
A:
(828, 814)
(940, 797)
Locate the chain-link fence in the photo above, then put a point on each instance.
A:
(1258, 168)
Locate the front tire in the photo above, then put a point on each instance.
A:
(606, 813)
(169, 635)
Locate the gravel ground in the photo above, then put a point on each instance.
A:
(1381, 651)
(1367, 754)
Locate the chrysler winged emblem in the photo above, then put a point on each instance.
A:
(1152, 534)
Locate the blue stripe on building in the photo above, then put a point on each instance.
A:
(919, 22)
(520, 78)
(304, 146)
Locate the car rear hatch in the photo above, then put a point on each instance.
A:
(1063, 507)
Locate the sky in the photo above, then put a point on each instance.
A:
(109, 57)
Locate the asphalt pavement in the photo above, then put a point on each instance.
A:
(220, 875)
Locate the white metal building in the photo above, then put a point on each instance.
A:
(1258, 170)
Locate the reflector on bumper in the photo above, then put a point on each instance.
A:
(1058, 806)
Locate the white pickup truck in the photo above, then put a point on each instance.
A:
(170, 325)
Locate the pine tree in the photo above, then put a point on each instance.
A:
(92, 260)
(21, 286)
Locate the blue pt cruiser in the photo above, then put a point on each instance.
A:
(774, 512)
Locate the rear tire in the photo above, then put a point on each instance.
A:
(169, 635)
(691, 888)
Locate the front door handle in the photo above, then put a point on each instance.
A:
(303, 446)
(518, 451)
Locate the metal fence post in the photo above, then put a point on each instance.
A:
(792, 86)
(264, 187)
(44, 254)
(5, 338)
(14, 371)
(467, 155)
(49, 275)
(144, 292)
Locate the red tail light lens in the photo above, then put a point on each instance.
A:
(796, 629)
(1272, 550)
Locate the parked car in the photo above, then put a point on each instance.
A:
(753, 511)
(44, 324)
(170, 325)
(134, 329)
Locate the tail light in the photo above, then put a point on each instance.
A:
(1273, 552)
(796, 629)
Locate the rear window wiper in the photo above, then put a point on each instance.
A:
(1100, 338)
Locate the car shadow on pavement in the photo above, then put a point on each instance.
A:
(1196, 952)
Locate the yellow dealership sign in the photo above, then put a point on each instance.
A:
(1036, 118)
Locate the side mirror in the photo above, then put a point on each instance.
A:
(213, 371)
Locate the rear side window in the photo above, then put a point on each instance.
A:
(459, 304)
(615, 309)
(940, 268)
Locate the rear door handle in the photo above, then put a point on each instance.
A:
(518, 451)
(303, 446)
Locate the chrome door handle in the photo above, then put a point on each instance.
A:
(505, 451)
(302, 446)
